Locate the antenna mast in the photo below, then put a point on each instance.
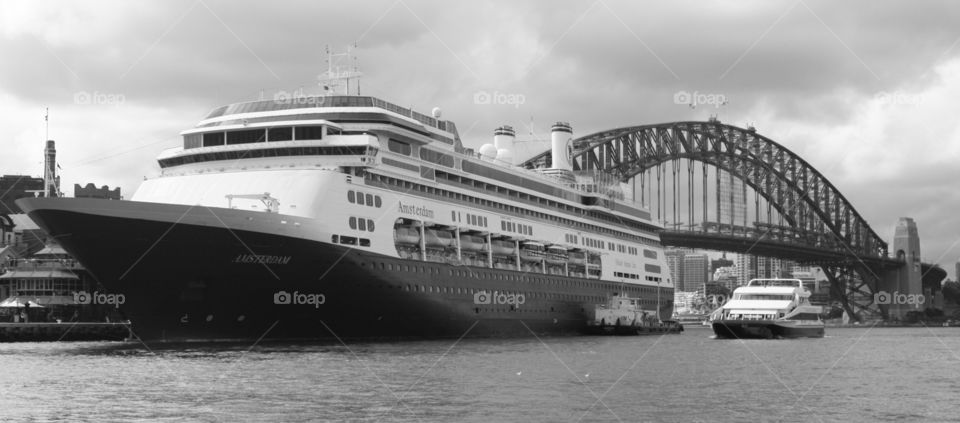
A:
(339, 72)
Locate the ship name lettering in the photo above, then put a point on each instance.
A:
(421, 211)
(261, 259)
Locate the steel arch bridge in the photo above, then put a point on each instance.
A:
(819, 225)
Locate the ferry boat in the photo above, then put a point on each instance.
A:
(769, 308)
(346, 216)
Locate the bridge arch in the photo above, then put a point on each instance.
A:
(800, 193)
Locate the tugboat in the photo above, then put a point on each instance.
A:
(769, 308)
(623, 315)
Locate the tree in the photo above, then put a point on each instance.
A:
(951, 291)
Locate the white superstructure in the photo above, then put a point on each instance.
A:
(361, 172)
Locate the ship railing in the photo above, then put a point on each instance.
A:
(23, 264)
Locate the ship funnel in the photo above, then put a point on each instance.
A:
(503, 140)
(560, 136)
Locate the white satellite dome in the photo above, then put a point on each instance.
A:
(488, 152)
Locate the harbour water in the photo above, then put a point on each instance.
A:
(853, 374)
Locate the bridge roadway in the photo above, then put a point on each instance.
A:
(801, 252)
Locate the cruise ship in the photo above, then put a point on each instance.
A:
(346, 216)
(769, 308)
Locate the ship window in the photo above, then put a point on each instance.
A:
(370, 225)
(360, 198)
(280, 134)
(351, 197)
(335, 239)
(369, 199)
(362, 224)
(377, 202)
(212, 138)
(245, 136)
(192, 141)
(308, 132)
(398, 147)
(436, 157)
(364, 242)
(353, 222)
(349, 240)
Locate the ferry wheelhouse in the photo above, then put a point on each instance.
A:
(348, 216)
(769, 308)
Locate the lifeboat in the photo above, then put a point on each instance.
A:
(472, 242)
(407, 235)
(438, 239)
(556, 255)
(531, 251)
(578, 258)
(503, 247)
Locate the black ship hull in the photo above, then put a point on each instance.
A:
(197, 278)
(766, 329)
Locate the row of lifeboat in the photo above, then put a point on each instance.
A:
(408, 236)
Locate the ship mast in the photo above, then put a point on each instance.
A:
(339, 72)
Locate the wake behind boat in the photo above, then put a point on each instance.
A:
(769, 308)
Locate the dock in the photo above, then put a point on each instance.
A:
(66, 331)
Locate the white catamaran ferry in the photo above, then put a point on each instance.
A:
(769, 308)
(349, 216)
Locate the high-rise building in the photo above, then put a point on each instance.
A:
(746, 268)
(695, 271)
(675, 262)
(733, 200)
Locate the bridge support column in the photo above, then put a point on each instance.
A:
(901, 289)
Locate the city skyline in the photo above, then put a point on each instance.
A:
(865, 106)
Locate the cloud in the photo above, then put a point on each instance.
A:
(811, 75)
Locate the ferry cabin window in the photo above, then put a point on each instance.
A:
(308, 132)
(212, 138)
(398, 147)
(353, 223)
(351, 197)
(245, 136)
(280, 134)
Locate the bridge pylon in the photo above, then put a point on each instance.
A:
(902, 288)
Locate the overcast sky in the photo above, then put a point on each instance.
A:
(864, 91)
